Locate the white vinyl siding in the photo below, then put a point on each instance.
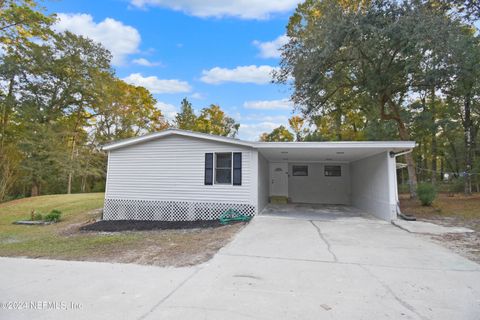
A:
(172, 168)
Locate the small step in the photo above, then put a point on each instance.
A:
(278, 200)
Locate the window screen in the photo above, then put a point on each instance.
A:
(300, 171)
(333, 171)
(223, 168)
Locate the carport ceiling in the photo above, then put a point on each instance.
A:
(328, 151)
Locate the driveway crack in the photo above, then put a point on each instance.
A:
(329, 247)
(169, 295)
(402, 302)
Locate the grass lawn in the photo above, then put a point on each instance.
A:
(63, 240)
(456, 210)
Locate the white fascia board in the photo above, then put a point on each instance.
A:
(156, 135)
(337, 144)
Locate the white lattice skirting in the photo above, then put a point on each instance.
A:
(121, 209)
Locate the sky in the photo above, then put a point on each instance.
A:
(211, 52)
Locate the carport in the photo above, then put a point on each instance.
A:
(359, 174)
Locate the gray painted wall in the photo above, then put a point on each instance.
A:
(316, 188)
(372, 185)
(263, 182)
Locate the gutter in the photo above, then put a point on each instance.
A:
(398, 154)
(399, 212)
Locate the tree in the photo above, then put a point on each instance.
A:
(20, 22)
(463, 91)
(124, 111)
(186, 118)
(346, 50)
(280, 134)
(469, 9)
(60, 87)
(296, 124)
(213, 120)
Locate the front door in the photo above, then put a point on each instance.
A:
(279, 179)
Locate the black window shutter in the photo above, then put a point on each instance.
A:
(208, 168)
(237, 168)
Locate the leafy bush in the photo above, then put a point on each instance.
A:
(53, 216)
(37, 216)
(426, 193)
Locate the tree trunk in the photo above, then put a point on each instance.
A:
(84, 183)
(412, 175)
(69, 185)
(442, 169)
(434, 137)
(70, 173)
(338, 125)
(404, 135)
(7, 106)
(35, 191)
(434, 159)
(467, 125)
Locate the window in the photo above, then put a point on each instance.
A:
(301, 171)
(333, 171)
(223, 168)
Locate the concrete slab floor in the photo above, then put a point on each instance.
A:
(275, 268)
(314, 211)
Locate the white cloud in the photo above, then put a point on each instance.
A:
(284, 104)
(121, 40)
(244, 9)
(253, 131)
(242, 74)
(146, 63)
(156, 85)
(198, 96)
(271, 49)
(169, 111)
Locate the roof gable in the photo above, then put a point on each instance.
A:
(169, 132)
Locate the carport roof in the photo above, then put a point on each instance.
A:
(287, 151)
(337, 151)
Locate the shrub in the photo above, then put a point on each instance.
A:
(37, 216)
(53, 216)
(426, 193)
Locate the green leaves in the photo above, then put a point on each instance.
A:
(22, 20)
(280, 134)
(212, 120)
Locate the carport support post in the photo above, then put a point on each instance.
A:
(392, 184)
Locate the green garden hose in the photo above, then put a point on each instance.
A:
(232, 215)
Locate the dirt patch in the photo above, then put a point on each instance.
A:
(142, 225)
(168, 244)
(165, 247)
(451, 211)
(465, 244)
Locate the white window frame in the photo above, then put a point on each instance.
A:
(215, 169)
(332, 165)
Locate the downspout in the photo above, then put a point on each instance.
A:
(399, 212)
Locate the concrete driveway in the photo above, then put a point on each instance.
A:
(294, 263)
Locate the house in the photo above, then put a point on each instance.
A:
(183, 175)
